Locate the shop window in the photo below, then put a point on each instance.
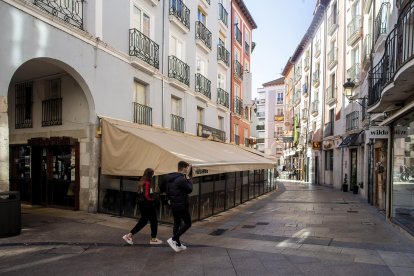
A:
(329, 160)
(24, 105)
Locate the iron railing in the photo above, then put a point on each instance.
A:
(316, 78)
(142, 114)
(353, 28)
(238, 34)
(203, 33)
(238, 106)
(223, 15)
(332, 57)
(69, 11)
(247, 48)
(381, 21)
(238, 69)
(143, 47)
(223, 54)
(305, 88)
(222, 97)
(180, 11)
(260, 127)
(352, 121)
(179, 70)
(354, 72)
(315, 107)
(24, 105)
(330, 94)
(177, 123)
(367, 48)
(203, 85)
(332, 22)
(305, 114)
(52, 112)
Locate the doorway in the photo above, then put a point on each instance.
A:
(354, 168)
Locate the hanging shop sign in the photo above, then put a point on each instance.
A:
(316, 145)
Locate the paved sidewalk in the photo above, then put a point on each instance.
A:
(297, 230)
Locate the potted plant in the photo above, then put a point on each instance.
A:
(345, 184)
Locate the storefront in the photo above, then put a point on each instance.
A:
(224, 175)
(45, 172)
(402, 172)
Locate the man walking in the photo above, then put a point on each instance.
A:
(179, 186)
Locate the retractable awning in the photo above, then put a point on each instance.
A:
(128, 149)
(350, 140)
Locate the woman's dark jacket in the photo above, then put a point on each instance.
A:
(178, 189)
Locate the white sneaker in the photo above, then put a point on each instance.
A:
(128, 239)
(173, 245)
(182, 247)
(155, 241)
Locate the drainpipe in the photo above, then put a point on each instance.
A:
(162, 65)
(231, 100)
(343, 96)
(323, 100)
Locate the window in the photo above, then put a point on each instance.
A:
(52, 104)
(24, 105)
(201, 66)
(175, 106)
(329, 160)
(177, 48)
(200, 115)
(279, 112)
(237, 90)
(280, 97)
(140, 93)
(334, 13)
(279, 131)
(237, 55)
(221, 81)
(246, 66)
(141, 21)
(220, 123)
(201, 16)
(355, 55)
(331, 115)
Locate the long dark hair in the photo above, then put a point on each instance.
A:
(147, 176)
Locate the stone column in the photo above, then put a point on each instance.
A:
(4, 145)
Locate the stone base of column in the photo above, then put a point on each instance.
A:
(4, 145)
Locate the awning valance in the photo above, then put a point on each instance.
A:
(350, 140)
(128, 149)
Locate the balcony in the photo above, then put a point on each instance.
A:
(223, 15)
(144, 48)
(203, 36)
(203, 85)
(352, 121)
(260, 127)
(222, 97)
(381, 21)
(261, 114)
(279, 101)
(279, 118)
(332, 58)
(179, 70)
(316, 78)
(315, 108)
(238, 35)
(306, 62)
(296, 97)
(354, 30)
(211, 133)
(177, 123)
(247, 48)
(366, 59)
(142, 114)
(304, 114)
(328, 129)
(330, 97)
(354, 73)
(317, 48)
(69, 11)
(223, 56)
(238, 106)
(332, 22)
(180, 15)
(298, 73)
(238, 70)
(305, 89)
(52, 112)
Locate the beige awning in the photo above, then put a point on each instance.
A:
(128, 149)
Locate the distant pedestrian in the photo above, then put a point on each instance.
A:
(146, 201)
(179, 186)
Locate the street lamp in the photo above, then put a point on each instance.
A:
(348, 93)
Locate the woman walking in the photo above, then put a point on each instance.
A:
(147, 209)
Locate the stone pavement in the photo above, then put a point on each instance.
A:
(297, 230)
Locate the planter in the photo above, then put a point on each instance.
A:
(344, 188)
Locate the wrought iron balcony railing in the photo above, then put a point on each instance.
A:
(203, 33)
(179, 70)
(223, 54)
(305, 114)
(143, 47)
(203, 85)
(24, 105)
(381, 21)
(247, 48)
(306, 63)
(180, 11)
(332, 22)
(367, 48)
(222, 97)
(305, 89)
(260, 127)
(223, 15)
(315, 107)
(238, 106)
(177, 123)
(352, 121)
(238, 69)
(52, 112)
(316, 78)
(69, 11)
(330, 94)
(142, 114)
(354, 72)
(332, 57)
(354, 29)
(238, 34)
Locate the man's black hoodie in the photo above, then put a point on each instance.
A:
(178, 189)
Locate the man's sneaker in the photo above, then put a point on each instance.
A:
(155, 241)
(182, 247)
(128, 239)
(173, 245)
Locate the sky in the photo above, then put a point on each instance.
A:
(281, 25)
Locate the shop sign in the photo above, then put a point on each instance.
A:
(378, 132)
(400, 132)
(279, 118)
(316, 145)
